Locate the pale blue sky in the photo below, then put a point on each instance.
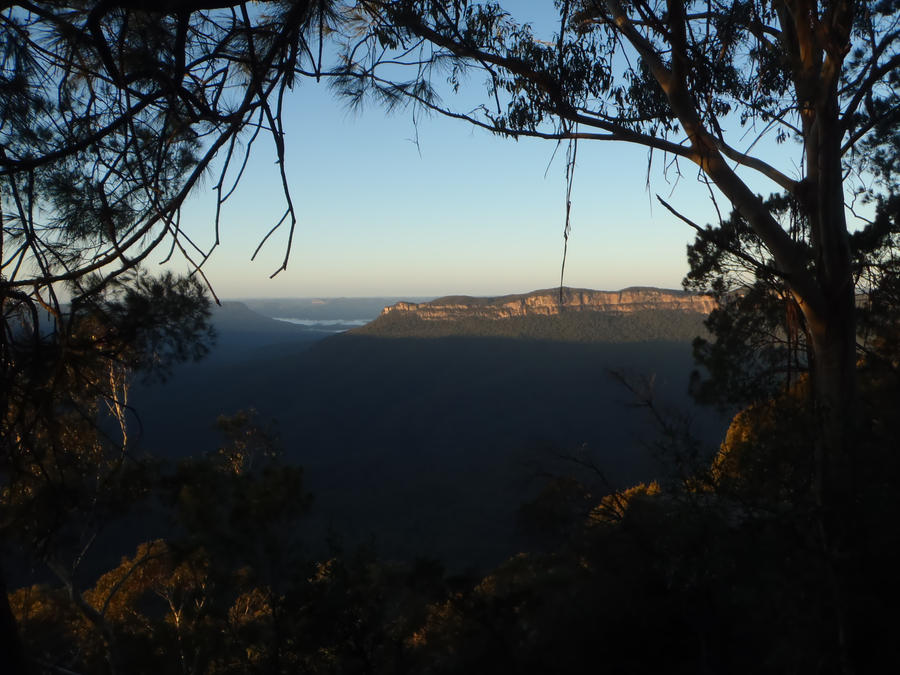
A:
(464, 212)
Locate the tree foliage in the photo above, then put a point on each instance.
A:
(111, 114)
(759, 343)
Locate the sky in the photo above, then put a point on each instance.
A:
(460, 211)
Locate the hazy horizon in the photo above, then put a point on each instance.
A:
(426, 298)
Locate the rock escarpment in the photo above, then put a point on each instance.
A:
(576, 315)
(549, 303)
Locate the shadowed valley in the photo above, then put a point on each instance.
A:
(427, 433)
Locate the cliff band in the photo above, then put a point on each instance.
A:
(547, 303)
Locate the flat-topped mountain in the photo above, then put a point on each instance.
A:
(551, 301)
(573, 314)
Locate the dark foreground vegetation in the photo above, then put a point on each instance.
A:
(718, 569)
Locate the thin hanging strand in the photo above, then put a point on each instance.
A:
(571, 154)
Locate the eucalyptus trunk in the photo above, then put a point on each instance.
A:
(831, 325)
(831, 319)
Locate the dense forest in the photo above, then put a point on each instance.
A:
(774, 552)
(657, 325)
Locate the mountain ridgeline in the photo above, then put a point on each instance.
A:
(567, 314)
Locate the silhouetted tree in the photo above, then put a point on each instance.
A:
(758, 341)
(112, 112)
(206, 599)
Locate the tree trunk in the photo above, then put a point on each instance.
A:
(833, 386)
(833, 380)
(832, 335)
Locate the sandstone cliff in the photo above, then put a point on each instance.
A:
(629, 315)
(547, 303)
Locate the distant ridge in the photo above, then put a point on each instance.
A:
(577, 314)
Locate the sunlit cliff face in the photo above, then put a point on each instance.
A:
(548, 303)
